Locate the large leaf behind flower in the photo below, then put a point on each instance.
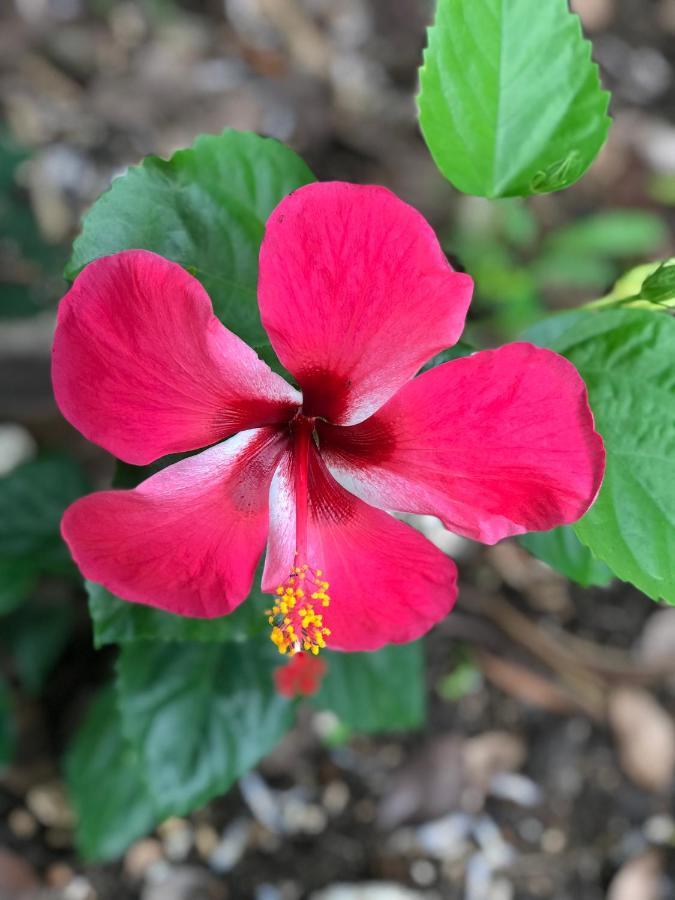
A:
(561, 549)
(105, 783)
(117, 621)
(199, 715)
(510, 101)
(374, 692)
(33, 498)
(204, 208)
(626, 359)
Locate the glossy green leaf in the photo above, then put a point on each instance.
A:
(266, 352)
(615, 233)
(510, 101)
(204, 208)
(32, 500)
(555, 268)
(461, 348)
(108, 793)
(28, 263)
(626, 359)
(118, 622)
(563, 551)
(373, 692)
(34, 637)
(17, 579)
(200, 715)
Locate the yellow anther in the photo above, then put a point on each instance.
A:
(295, 622)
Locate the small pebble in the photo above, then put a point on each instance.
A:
(231, 847)
(659, 830)
(170, 826)
(59, 876)
(553, 840)
(22, 823)
(141, 856)
(206, 840)
(303, 818)
(531, 830)
(79, 889)
(16, 446)
(335, 797)
(423, 872)
(178, 843)
(268, 892)
(49, 805)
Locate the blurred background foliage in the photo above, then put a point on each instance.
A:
(530, 682)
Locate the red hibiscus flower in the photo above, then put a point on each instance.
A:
(356, 295)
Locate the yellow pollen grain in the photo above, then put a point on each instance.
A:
(295, 623)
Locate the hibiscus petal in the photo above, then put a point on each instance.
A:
(355, 294)
(188, 539)
(388, 583)
(495, 444)
(142, 366)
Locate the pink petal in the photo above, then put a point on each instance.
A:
(356, 295)
(188, 539)
(142, 367)
(495, 444)
(388, 584)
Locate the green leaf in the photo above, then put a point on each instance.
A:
(464, 679)
(650, 286)
(204, 208)
(266, 352)
(510, 101)
(35, 636)
(32, 500)
(26, 260)
(563, 551)
(112, 803)
(372, 692)
(558, 269)
(615, 233)
(626, 359)
(519, 223)
(200, 715)
(17, 579)
(461, 348)
(6, 725)
(117, 621)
